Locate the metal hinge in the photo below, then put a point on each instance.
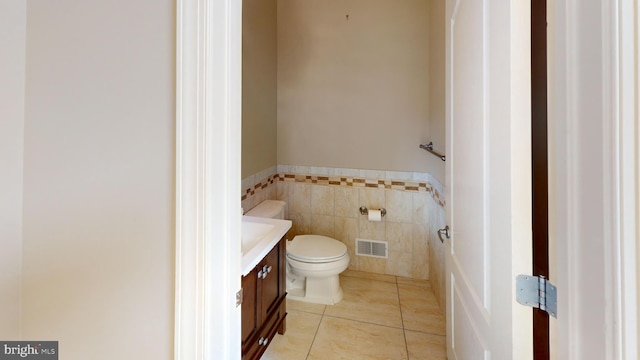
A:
(538, 292)
(239, 296)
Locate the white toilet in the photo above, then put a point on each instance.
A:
(313, 261)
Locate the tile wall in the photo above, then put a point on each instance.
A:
(325, 201)
(259, 187)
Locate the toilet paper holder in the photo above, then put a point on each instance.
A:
(365, 211)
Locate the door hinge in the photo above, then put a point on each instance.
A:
(239, 296)
(538, 292)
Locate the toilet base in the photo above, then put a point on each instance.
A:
(326, 290)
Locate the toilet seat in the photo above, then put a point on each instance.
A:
(316, 249)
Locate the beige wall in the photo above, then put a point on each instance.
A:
(98, 246)
(259, 90)
(353, 93)
(437, 87)
(12, 70)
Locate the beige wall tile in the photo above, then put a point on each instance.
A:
(420, 208)
(372, 198)
(322, 200)
(399, 205)
(301, 223)
(299, 198)
(399, 263)
(346, 201)
(420, 252)
(246, 205)
(436, 269)
(346, 230)
(272, 191)
(399, 236)
(372, 264)
(282, 192)
(260, 196)
(370, 276)
(371, 230)
(322, 225)
(412, 219)
(437, 251)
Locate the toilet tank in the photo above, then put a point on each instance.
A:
(273, 209)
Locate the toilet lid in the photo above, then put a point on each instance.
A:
(315, 248)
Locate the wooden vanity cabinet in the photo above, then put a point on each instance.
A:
(263, 303)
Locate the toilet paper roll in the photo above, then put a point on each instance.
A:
(375, 215)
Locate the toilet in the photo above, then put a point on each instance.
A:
(314, 262)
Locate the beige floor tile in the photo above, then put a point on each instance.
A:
(366, 324)
(424, 346)
(414, 282)
(420, 310)
(370, 276)
(346, 339)
(369, 301)
(297, 340)
(305, 306)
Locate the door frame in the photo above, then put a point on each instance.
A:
(594, 71)
(208, 210)
(208, 41)
(628, 75)
(539, 171)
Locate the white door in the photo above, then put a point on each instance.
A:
(488, 178)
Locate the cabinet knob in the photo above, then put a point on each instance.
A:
(262, 274)
(263, 341)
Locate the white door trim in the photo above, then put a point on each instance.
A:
(596, 143)
(208, 105)
(629, 166)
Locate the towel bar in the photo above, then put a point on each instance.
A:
(429, 148)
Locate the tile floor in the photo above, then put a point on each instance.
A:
(380, 317)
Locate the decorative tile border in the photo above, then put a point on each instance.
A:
(388, 180)
(260, 185)
(365, 183)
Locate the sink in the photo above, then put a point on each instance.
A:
(259, 236)
(252, 233)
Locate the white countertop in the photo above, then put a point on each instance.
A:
(259, 236)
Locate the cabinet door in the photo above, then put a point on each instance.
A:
(271, 282)
(250, 308)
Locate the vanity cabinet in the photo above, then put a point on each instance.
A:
(263, 302)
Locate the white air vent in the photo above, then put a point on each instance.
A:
(372, 248)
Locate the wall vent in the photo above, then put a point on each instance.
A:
(373, 248)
